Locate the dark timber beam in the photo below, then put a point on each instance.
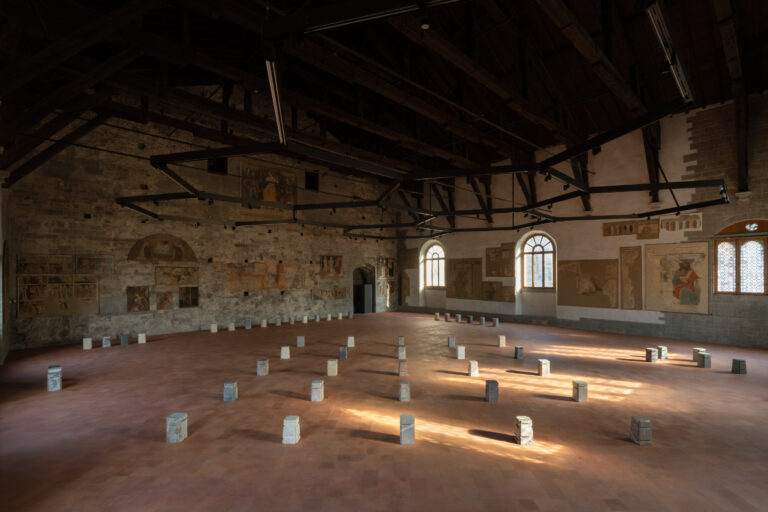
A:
(567, 23)
(407, 203)
(205, 154)
(436, 191)
(480, 199)
(726, 22)
(57, 147)
(580, 172)
(652, 144)
(524, 188)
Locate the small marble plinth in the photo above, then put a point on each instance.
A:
(544, 367)
(263, 323)
(739, 366)
(329, 317)
(248, 325)
(461, 352)
(300, 341)
(482, 320)
(402, 368)
(405, 392)
(705, 360)
(640, 430)
(317, 391)
(142, 338)
(214, 327)
(407, 429)
(106, 341)
(651, 354)
(694, 352)
(470, 319)
(332, 369)
(447, 317)
(231, 326)
(523, 430)
(124, 339)
(285, 352)
(350, 341)
(492, 391)
(317, 318)
(458, 318)
(304, 319)
(451, 341)
(342, 353)
(87, 343)
(291, 321)
(502, 341)
(262, 367)
(54, 378)
(291, 430)
(401, 353)
(663, 352)
(473, 369)
(495, 322)
(437, 316)
(401, 341)
(579, 391)
(230, 391)
(341, 315)
(519, 354)
(351, 315)
(176, 427)
(278, 322)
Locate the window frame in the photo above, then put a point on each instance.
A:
(737, 241)
(525, 252)
(428, 260)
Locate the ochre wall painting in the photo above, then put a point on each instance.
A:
(164, 300)
(162, 248)
(677, 277)
(642, 229)
(47, 286)
(93, 264)
(497, 292)
(176, 276)
(500, 261)
(331, 266)
(464, 278)
(138, 298)
(267, 185)
(335, 293)
(631, 266)
(588, 283)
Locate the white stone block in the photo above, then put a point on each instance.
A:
(402, 368)
(300, 341)
(451, 341)
(663, 352)
(329, 317)
(351, 315)
(523, 430)
(640, 430)
(176, 427)
(332, 369)
(285, 352)
(317, 318)
(695, 351)
(482, 320)
(291, 430)
(248, 324)
(458, 318)
(401, 341)
(544, 367)
(230, 391)
(54, 378)
(495, 322)
(705, 360)
(291, 321)
(214, 327)
(262, 367)
(407, 429)
(461, 352)
(401, 353)
(304, 319)
(447, 317)
(87, 343)
(502, 340)
(231, 326)
(350, 341)
(278, 322)
(437, 316)
(341, 315)
(651, 354)
(579, 391)
(474, 371)
(405, 392)
(263, 323)
(142, 338)
(106, 341)
(317, 391)
(739, 366)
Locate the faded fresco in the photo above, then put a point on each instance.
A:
(93, 264)
(642, 229)
(648, 229)
(267, 185)
(44, 264)
(677, 277)
(495, 291)
(500, 261)
(631, 265)
(335, 293)
(138, 298)
(162, 248)
(588, 283)
(189, 297)
(685, 222)
(464, 278)
(57, 295)
(331, 266)
(176, 276)
(386, 268)
(164, 300)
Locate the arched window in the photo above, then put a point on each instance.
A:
(434, 266)
(539, 262)
(741, 260)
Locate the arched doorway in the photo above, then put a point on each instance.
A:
(363, 298)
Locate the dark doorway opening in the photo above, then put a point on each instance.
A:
(363, 298)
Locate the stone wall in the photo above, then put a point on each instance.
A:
(67, 207)
(695, 145)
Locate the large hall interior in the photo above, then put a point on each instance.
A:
(334, 255)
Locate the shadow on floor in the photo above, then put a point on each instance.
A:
(290, 394)
(385, 396)
(496, 436)
(689, 365)
(376, 436)
(256, 435)
(377, 355)
(378, 372)
(640, 360)
(522, 372)
(556, 397)
(468, 398)
(450, 372)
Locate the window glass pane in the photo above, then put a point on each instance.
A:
(548, 274)
(428, 272)
(537, 249)
(441, 273)
(726, 267)
(752, 267)
(527, 264)
(538, 275)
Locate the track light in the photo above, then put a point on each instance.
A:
(424, 24)
(566, 186)
(549, 207)
(547, 177)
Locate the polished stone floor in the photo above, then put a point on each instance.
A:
(99, 444)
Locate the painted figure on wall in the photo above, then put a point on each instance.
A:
(685, 282)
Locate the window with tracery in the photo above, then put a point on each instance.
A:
(539, 262)
(741, 266)
(434, 266)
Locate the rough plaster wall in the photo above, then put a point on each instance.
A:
(47, 212)
(695, 145)
(5, 340)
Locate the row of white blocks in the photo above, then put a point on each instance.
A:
(279, 321)
(106, 341)
(470, 319)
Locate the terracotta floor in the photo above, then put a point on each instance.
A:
(100, 443)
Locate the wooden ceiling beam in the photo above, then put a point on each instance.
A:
(480, 199)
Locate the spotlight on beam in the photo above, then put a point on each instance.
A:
(547, 177)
